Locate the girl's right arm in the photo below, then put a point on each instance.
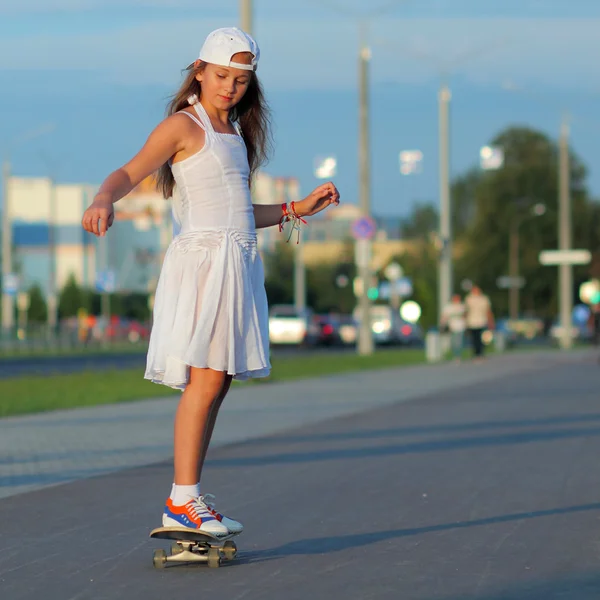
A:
(164, 142)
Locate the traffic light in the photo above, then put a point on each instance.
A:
(373, 293)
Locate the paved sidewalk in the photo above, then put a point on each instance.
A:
(53, 448)
(486, 489)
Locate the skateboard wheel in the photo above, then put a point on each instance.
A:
(229, 550)
(176, 549)
(159, 559)
(214, 558)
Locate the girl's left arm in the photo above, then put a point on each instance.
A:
(268, 215)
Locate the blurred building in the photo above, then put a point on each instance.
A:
(46, 222)
(33, 204)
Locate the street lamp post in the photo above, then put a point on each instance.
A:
(365, 344)
(445, 261)
(7, 241)
(246, 15)
(7, 298)
(565, 270)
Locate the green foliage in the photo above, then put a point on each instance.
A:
(421, 222)
(279, 274)
(72, 298)
(38, 311)
(488, 204)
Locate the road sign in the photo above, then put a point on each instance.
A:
(325, 167)
(105, 281)
(410, 161)
(506, 282)
(364, 228)
(402, 288)
(11, 284)
(565, 257)
(491, 158)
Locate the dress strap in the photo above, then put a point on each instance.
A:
(195, 119)
(203, 116)
(238, 128)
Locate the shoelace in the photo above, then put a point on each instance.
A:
(208, 500)
(197, 507)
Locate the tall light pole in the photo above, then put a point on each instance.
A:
(565, 271)
(365, 344)
(246, 15)
(7, 241)
(293, 190)
(7, 299)
(445, 260)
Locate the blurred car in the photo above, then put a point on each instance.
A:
(389, 328)
(348, 329)
(289, 326)
(329, 330)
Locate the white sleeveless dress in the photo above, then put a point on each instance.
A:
(210, 308)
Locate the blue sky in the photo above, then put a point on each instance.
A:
(101, 71)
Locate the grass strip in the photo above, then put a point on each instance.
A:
(34, 394)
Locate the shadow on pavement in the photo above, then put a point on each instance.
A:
(505, 439)
(426, 429)
(326, 545)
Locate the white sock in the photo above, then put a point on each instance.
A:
(182, 494)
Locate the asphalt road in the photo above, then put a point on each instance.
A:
(485, 492)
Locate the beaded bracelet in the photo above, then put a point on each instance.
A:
(292, 217)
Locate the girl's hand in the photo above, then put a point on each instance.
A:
(319, 199)
(98, 217)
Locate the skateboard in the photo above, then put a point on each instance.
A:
(193, 546)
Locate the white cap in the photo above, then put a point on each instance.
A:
(222, 44)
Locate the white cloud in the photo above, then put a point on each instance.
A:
(305, 53)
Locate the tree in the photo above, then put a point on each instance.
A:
(37, 311)
(71, 299)
(279, 271)
(490, 203)
(421, 222)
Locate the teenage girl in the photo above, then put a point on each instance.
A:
(210, 321)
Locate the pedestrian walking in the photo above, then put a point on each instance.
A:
(479, 316)
(210, 317)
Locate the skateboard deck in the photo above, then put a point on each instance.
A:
(193, 546)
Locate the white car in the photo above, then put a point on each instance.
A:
(289, 326)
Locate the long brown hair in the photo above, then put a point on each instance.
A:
(252, 113)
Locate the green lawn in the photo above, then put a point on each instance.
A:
(32, 394)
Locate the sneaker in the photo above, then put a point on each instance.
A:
(208, 500)
(192, 515)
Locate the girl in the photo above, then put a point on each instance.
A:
(210, 313)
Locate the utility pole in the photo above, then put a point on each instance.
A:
(52, 300)
(513, 269)
(445, 260)
(246, 16)
(293, 186)
(365, 344)
(7, 299)
(565, 271)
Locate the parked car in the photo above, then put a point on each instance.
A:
(389, 328)
(289, 326)
(329, 330)
(348, 329)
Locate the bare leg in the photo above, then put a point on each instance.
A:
(192, 419)
(212, 419)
